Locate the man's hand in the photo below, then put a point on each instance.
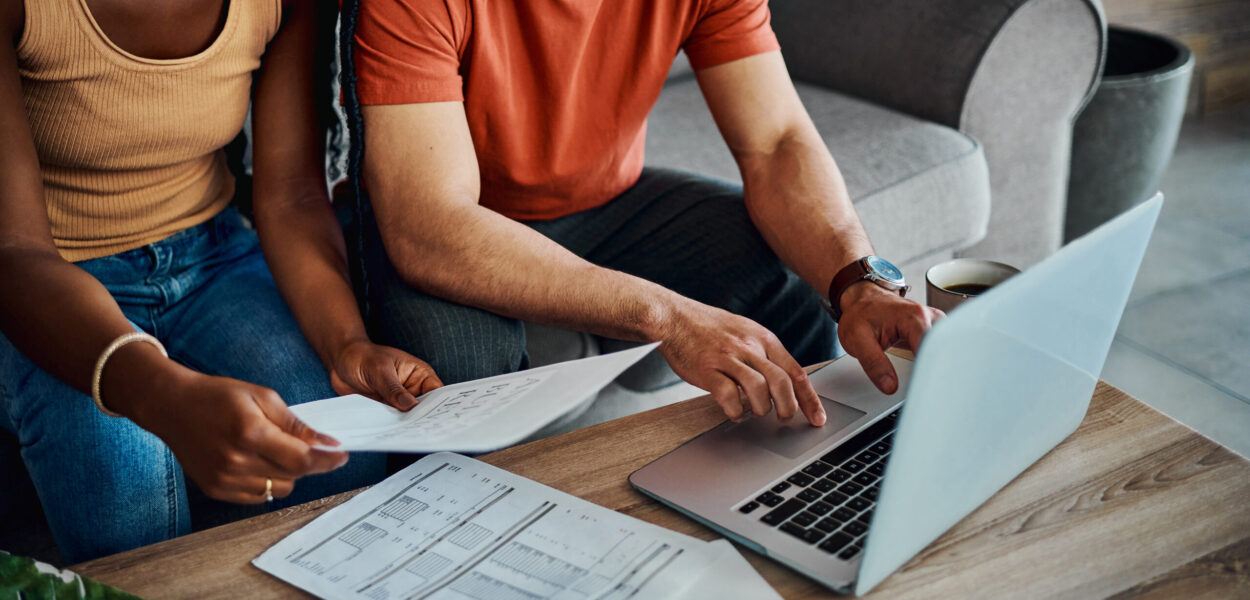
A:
(230, 436)
(874, 320)
(388, 375)
(723, 353)
(799, 202)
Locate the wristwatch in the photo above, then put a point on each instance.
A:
(872, 268)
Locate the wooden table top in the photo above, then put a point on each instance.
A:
(1131, 505)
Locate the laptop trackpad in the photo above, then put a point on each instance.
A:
(796, 436)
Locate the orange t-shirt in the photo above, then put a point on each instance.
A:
(556, 92)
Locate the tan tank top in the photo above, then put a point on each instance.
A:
(130, 147)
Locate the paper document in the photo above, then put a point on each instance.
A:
(731, 577)
(474, 416)
(451, 527)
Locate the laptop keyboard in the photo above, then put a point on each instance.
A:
(829, 502)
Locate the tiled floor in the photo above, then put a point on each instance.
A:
(1184, 343)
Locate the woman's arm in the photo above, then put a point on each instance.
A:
(302, 241)
(222, 431)
(56, 314)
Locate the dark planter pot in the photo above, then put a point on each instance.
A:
(1124, 139)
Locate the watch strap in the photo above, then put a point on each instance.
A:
(848, 275)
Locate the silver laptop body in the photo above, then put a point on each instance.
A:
(995, 386)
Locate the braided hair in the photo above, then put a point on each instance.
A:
(356, 149)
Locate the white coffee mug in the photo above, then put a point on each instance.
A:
(951, 283)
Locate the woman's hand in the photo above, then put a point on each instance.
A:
(231, 436)
(386, 374)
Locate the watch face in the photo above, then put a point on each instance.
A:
(884, 269)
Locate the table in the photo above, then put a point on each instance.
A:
(1131, 505)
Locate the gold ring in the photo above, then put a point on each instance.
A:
(268, 490)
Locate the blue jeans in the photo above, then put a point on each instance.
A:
(107, 485)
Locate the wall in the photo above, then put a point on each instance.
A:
(1218, 33)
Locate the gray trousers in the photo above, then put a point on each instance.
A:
(685, 232)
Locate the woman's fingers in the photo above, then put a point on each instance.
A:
(250, 489)
(296, 457)
(287, 441)
(280, 415)
(384, 379)
(421, 378)
(386, 374)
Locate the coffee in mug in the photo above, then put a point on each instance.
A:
(949, 284)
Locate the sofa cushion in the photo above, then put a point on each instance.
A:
(919, 187)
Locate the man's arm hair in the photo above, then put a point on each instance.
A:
(422, 174)
(792, 186)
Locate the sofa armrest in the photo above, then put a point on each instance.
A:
(1013, 74)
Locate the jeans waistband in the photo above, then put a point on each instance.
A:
(213, 231)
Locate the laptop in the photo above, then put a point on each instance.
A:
(995, 385)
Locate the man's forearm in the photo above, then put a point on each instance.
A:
(798, 200)
(793, 189)
(474, 256)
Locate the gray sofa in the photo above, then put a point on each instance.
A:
(950, 120)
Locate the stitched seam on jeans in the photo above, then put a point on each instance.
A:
(152, 322)
(8, 400)
(171, 492)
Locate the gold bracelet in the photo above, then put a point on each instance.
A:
(136, 336)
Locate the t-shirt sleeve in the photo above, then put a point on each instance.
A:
(408, 51)
(728, 30)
